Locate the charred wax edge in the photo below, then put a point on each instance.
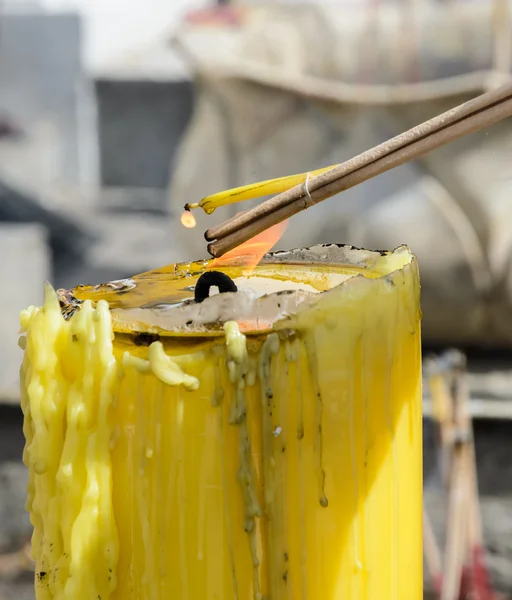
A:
(383, 261)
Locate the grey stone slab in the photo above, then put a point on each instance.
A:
(43, 86)
(140, 127)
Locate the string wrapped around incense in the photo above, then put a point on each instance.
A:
(476, 114)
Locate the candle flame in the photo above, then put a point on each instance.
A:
(250, 253)
(188, 219)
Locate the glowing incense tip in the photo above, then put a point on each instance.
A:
(188, 219)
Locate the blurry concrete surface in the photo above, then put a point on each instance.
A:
(44, 88)
(26, 204)
(21, 588)
(130, 242)
(15, 528)
(24, 264)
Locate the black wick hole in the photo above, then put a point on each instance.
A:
(213, 279)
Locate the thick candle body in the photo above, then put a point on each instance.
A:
(285, 465)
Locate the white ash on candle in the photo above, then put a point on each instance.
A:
(260, 286)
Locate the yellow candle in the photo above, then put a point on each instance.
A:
(247, 447)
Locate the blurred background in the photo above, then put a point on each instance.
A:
(114, 114)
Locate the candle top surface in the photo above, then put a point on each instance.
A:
(162, 301)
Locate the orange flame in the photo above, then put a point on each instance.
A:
(250, 253)
(188, 219)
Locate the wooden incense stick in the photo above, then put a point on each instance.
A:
(472, 116)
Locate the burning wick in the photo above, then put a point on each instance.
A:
(188, 219)
(213, 279)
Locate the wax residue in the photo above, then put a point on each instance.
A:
(267, 401)
(294, 356)
(68, 385)
(237, 361)
(319, 413)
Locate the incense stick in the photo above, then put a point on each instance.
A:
(472, 116)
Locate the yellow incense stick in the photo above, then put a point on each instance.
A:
(253, 190)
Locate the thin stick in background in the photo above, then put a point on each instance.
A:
(456, 535)
(442, 411)
(432, 553)
(464, 572)
(477, 114)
